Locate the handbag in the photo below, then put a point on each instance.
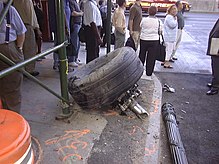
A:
(81, 34)
(130, 43)
(161, 49)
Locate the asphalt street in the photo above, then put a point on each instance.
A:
(196, 112)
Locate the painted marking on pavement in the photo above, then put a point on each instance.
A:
(71, 144)
(156, 104)
(150, 150)
(135, 129)
(111, 113)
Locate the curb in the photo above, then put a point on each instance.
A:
(152, 146)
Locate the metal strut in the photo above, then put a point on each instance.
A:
(127, 101)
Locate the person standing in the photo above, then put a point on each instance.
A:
(103, 12)
(39, 14)
(93, 22)
(26, 11)
(75, 25)
(181, 23)
(67, 10)
(170, 33)
(118, 20)
(149, 39)
(135, 17)
(53, 29)
(11, 44)
(214, 85)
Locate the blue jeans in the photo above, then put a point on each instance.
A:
(75, 43)
(55, 54)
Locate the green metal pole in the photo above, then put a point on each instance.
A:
(4, 12)
(62, 53)
(108, 25)
(11, 63)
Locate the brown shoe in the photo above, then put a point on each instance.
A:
(168, 66)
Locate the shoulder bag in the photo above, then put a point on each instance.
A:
(161, 50)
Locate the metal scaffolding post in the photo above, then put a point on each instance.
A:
(108, 25)
(61, 37)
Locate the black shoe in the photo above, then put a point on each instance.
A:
(212, 92)
(40, 59)
(54, 67)
(102, 45)
(174, 58)
(171, 60)
(34, 73)
(209, 85)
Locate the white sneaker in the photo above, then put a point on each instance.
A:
(78, 62)
(146, 77)
(73, 64)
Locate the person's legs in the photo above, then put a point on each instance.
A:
(214, 85)
(91, 44)
(178, 40)
(142, 52)
(103, 33)
(55, 54)
(215, 71)
(151, 57)
(135, 37)
(119, 39)
(30, 48)
(169, 51)
(10, 85)
(75, 44)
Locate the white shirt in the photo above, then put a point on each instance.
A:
(91, 13)
(149, 28)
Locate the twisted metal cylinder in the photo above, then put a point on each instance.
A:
(176, 145)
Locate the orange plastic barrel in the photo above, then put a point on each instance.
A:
(15, 139)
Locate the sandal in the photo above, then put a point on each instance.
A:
(168, 66)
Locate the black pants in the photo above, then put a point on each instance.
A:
(215, 71)
(103, 32)
(91, 45)
(148, 48)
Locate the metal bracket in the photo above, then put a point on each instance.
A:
(127, 101)
(65, 116)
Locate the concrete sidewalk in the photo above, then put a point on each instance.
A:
(92, 136)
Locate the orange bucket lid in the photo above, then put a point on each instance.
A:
(14, 136)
